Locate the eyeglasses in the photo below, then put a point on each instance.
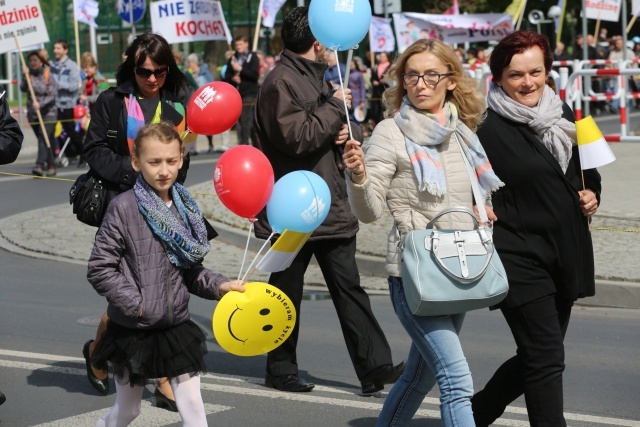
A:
(145, 73)
(430, 78)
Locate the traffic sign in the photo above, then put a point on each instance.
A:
(125, 12)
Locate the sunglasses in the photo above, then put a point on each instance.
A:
(145, 73)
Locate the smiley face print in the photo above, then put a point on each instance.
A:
(255, 321)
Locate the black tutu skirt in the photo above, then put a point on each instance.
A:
(147, 354)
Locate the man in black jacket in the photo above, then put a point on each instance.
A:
(10, 144)
(243, 71)
(300, 125)
(10, 134)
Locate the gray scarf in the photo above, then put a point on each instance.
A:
(556, 133)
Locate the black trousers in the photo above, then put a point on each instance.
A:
(536, 370)
(244, 124)
(366, 343)
(45, 155)
(69, 125)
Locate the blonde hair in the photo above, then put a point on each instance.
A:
(87, 60)
(465, 96)
(163, 132)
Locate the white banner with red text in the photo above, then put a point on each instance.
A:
(24, 20)
(410, 27)
(181, 21)
(604, 10)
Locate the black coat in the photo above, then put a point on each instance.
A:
(113, 163)
(10, 133)
(541, 235)
(296, 121)
(249, 75)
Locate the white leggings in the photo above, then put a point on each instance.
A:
(128, 400)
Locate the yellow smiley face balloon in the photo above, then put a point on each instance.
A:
(255, 321)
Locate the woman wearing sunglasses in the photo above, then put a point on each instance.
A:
(150, 89)
(413, 165)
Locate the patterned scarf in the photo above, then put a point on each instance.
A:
(136, 120)
(185, 245)
(424, 132)
(556, 133)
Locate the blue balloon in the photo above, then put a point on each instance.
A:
(300, 201)
(339, 24)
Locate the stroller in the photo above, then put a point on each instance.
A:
(81, 116)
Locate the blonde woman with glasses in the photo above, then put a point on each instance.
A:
(413, 166)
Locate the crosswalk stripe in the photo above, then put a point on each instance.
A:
(207, 379)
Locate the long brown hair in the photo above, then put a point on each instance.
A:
(465, 96)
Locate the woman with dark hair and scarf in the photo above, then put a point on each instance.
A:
(150, 89)
(541, 231)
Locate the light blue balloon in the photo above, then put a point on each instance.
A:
(339, 24)
(300, 201)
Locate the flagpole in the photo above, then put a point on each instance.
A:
(33, 95)
(521, 10)
(559, 31)
(258, 22)
(76, 31)
(633, 20)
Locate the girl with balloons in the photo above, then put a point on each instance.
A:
(148, 82)
(413, 166)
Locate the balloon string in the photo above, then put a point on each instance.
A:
(255, 258)
(246, 248)
(344, 100)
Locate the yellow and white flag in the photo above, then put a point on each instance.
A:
(283, 251)
(593, 148)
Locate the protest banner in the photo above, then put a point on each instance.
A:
(604, 10)
(188, 21)
(410, 27)
(381, 37)
(24, 21)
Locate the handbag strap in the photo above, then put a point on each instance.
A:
(474, 185)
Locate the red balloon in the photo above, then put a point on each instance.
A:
(213, 108)
(79, 111)
(243, 180)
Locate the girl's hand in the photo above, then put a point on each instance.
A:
(234, 285)
(588, 202)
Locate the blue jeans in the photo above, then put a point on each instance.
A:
(435, 356)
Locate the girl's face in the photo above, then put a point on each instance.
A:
(159, 164)
(423, 96)
(150, 84)
(90, 70)
(35, 63)
(525, 77)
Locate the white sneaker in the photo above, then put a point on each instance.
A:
(222, 148)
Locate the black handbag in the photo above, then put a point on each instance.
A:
(90, 197)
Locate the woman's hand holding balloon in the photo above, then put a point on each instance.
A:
(353, 158)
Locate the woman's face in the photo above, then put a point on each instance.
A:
(35, 63)
(427, 97)
(524, 79)
(150, 86)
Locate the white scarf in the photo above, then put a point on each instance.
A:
(556, 133)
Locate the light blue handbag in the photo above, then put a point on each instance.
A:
(453, 271)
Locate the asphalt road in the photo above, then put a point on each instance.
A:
(48, 310)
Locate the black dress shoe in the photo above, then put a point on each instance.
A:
(101, 385)
(163, 401)
(374, 381)
(291, 383)
(2, 398)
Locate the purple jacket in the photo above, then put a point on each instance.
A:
(128, 266)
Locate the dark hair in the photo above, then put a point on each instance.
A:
(155, 47)
(163, 132)
(516, 43)
(62, 42)
(295, 33)
(37, 53)
(241, 37)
